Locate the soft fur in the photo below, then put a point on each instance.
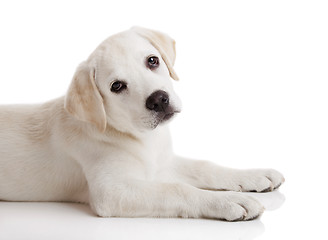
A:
(107, 149)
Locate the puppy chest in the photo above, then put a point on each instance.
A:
(155, 159)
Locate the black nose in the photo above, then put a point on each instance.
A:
(158, 101)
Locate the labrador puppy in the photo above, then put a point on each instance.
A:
(106, 143)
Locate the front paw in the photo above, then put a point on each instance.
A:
(232, 206)
(259, 180)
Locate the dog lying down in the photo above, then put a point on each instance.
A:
(106, 143)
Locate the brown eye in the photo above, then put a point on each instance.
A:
(118, 86)
(152, 62)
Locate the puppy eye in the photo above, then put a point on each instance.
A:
(118, 86)
(152, 62)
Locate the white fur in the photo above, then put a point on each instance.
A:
(114, 154)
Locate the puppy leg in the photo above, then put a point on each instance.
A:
(136, 198)
(206, 175)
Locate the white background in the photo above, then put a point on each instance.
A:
(254, 85)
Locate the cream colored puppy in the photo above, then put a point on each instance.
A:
(107, 143)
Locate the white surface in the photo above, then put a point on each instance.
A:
(254, 84)
(76, 221)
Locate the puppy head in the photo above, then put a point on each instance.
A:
(126, 83)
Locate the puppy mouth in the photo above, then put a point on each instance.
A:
(168, 115)
(163, 117)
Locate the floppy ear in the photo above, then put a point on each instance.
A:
(164, 44)
(83, 99)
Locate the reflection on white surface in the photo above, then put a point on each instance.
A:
(76, 221)
(181, 229)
